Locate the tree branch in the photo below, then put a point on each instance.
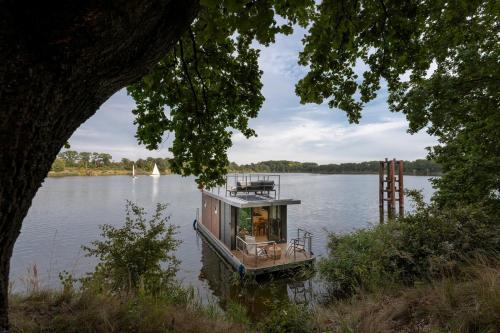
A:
(195, 54)
(188, 77)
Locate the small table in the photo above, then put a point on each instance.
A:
(273, 252)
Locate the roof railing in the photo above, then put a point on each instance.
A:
(253, 183)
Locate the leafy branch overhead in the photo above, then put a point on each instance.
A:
(439, 60)
(210, 83)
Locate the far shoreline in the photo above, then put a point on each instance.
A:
(102, 173)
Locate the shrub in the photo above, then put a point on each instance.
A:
(426, 244)
(237, 313)
(58, 165)
(136, 258)
(286, 317)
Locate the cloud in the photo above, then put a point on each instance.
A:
(305, 139)
(286, 129)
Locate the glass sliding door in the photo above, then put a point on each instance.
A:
(275, 225)
(260, 220)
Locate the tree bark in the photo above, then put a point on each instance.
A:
(59, 61)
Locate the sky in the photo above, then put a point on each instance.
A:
(286, 129)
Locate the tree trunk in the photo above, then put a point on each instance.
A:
(59, 61)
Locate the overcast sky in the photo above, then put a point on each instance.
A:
(286, 129)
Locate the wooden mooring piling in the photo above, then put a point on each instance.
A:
(391, 188)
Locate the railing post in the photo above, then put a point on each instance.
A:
(255, 255)
(274, 253)
(294, 252)
(310, 246)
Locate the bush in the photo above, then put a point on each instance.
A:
(287, 317)
(424, 245)
(58, 165)
(136, 258)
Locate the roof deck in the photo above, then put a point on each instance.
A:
(251, 190)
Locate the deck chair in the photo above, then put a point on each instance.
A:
(297, 244)
(261, 252)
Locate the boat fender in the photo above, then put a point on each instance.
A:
(241, 270)
(194, 224)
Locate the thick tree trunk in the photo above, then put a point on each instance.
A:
(59, 61)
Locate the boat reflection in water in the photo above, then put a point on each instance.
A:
(258, 296)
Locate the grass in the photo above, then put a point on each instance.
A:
(470, 304)
(51, 311)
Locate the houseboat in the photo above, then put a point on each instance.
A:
(245, 221)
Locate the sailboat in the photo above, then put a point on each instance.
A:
(156, 172)
(133, 171)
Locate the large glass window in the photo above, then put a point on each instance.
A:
(264, 223)
(275, 225)
(260, 219)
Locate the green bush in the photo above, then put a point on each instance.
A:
(58, 165)
(136, 258)
(427, 244)
(286, 317)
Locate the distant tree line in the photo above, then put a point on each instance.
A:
(417, 167)
(72, 158)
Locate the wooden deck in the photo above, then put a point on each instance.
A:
(249, 264)
(251, 261)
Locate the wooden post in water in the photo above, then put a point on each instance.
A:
(401, 189)
(381, 190)
(391, 195)
(387, 184)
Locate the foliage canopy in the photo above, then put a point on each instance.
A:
(439, 60)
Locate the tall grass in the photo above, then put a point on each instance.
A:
(468, 304)
(57, 311)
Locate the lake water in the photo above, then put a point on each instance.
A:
(66, 213)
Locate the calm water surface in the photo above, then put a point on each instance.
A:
(66, 213)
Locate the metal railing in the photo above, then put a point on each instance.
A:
(253, 248)
(301, 244)
(270, 189)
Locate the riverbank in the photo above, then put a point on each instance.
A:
(62, 312)
(468, 304)
(77, 171)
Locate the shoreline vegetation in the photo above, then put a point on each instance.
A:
(73, 163)
(378, 280)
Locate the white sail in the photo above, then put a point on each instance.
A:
(133, 170)
(155, 172)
